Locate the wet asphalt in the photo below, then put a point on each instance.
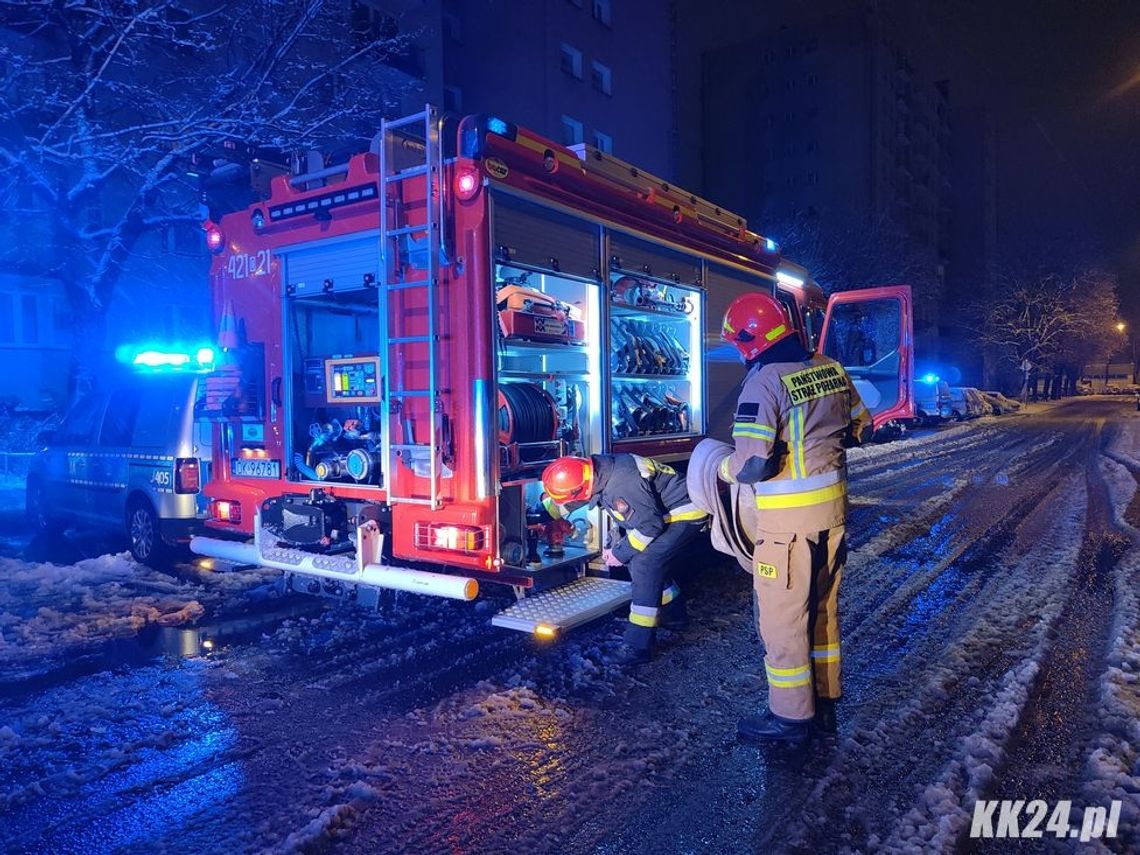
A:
(421, 728)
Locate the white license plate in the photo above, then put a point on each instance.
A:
(242, 468)
(549, 326)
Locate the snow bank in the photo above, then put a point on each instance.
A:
(50, 612)
(330, 820)
(1112, 770)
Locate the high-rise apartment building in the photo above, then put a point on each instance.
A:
(837, 126)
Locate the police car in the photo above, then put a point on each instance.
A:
(128, 459)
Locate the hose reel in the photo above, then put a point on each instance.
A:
(528, 425)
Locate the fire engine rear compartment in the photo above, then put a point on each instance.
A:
(334, 421)
(426, 384)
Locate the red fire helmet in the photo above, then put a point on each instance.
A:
(569, 479)
(754, 322)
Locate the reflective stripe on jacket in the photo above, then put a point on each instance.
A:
(792, 423)
(643, 496)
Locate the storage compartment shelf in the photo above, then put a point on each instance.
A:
(510, 374)
(655, 359)
(651, 437)
(649, 309)
(509, 344)
(661, 378)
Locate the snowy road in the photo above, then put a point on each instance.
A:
(991, 649)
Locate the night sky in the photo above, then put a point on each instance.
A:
(1062, 81)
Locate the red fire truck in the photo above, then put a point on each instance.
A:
(412, 335)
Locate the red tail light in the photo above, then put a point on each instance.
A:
(215, 239)
(187, 475)
(225, 511)
(466, 184)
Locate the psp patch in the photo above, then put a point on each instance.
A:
(747, 412)
(816, 382)
(767, 571)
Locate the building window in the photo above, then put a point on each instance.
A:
(602, 78)
(31, 319)
(572, 61)
(812, 146)
(811, 46)
(571, 131)
(7, 319)
(603, 12)
(369, 24)
(813, 178)
(453, 99)
(452, 28)
(603, 142)
(769, 121)
(812, 79)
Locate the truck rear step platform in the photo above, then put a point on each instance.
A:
(564, 607)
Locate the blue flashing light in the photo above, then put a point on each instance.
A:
(770, 245)
(158, 359)
(497, 126)
(165, 356)
(929, 378)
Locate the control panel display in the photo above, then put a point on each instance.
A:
(352, 380)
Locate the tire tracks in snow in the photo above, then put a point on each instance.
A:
(931, 654)
(743, 796)
(1055, 734)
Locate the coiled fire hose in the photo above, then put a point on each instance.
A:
(527, 414)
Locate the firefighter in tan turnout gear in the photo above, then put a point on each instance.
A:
(650, 504)
(796, 415)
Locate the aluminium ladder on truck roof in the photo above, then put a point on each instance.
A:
(626, 175)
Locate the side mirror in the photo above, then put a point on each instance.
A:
(45, 437)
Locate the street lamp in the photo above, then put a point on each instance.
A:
(1120, 328)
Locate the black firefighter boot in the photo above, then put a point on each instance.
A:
(637, 645)
(770, 728)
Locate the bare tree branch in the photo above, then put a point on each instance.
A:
(99, 103)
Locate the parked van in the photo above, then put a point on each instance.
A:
(126, 459)
(931, 399)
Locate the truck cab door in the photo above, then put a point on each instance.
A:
(870, 333)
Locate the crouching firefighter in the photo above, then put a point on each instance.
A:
(650, 504)
(797, 414)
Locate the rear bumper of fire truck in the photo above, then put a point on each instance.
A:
(346, 569)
